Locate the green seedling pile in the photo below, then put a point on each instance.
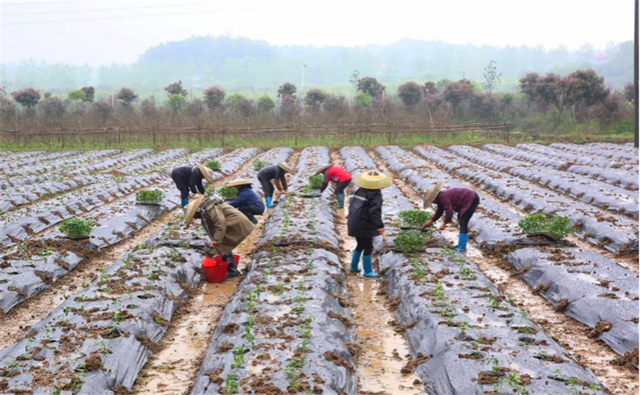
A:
(150, 197)
(213, 165)
(409, 241)
(227, 193)
(414, 218)
(76, 228)
(260, 164)
(555, 226)
(315, 182)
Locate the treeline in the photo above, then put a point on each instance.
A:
(579, 102)
(252, 67)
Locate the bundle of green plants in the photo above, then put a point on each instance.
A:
(315, 182)
(76, 228)
(260, 164)
(209, 191)
(213, 165)
(554, 225)
(410, 240)
(227, 192)
(154, 196)
(414, 218)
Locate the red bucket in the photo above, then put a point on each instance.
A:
(215, 269)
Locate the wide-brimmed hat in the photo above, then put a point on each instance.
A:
(191, 210)
(431, 194)
(323, 168)
(239, 182)
(373, 179)
(206, 173)
(286, 168)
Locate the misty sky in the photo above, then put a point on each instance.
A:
(102, 32)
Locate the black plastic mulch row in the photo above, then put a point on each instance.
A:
(288, 328)
(545, 156)
(590, 191)
(618, 235)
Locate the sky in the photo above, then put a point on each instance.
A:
(103, 32)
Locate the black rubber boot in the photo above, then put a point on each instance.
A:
(232, 269)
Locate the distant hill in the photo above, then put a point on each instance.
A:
(241, 64)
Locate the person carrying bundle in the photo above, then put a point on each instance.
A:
(226, 227)
(278, 174)
(338, 176)
(189, 178)
(365, 217)
(460, 200)
(247, 201)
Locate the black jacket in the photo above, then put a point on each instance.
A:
(365, 213)
(273, 172)
(188, 178)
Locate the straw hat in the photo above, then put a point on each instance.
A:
(191, 210)
(286, 168)
(323, 168)
(431, 194)
(373, 179)
(239, 182)
(206, 173)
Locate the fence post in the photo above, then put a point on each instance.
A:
(508, 137)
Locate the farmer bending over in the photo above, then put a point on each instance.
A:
(336, 175)
(225, 225)
(365, 217)
(247, 201)
(461, 200)
(277, 173)
(190, 178)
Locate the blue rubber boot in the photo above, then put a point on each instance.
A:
(368, 270)
(269, 201)
(184, 202)
(462, 242)
(355, 260)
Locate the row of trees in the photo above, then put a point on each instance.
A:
(582, 94)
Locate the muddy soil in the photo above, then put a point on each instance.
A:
(382, 351)
(572, 335)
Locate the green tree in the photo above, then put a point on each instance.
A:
(363, 100)
(214, 97)
(176, 103)
(126, 96)
(76, 96)
(491, 77)
(232, 99)
(410, 93)
(371, 87)
(266, 104)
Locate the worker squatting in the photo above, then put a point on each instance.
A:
(229, 223)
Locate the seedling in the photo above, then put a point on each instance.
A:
(103, 346)
(174, 255)
(304, 332)
(230, 385)
(464, 326)
(438, 293)
(495, 365)
(213, 165)
(495, 302)
(149, 197)
(413, 218)
(279, 288)
(555, 226)
(117, 317)
(76, 228)
(409, 241)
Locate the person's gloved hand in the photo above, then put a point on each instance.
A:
(213, 244)
(381, 231)
(427, 225)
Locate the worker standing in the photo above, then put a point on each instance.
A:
(226, 227)
(460, 200)
(278, 174)
(365, 218)
(338, 176)
(247, 201)
(189, 178)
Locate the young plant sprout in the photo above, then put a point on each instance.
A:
(150, 197)
(76, 228)
(213, 165)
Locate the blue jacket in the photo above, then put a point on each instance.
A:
(249, 201)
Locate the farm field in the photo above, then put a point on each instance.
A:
(127, 310)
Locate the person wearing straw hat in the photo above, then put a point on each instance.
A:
(338, 176)
(277, 173)
(226, 227)
(365, 217)
(460, 200)
(247, 201)
(189, 178)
